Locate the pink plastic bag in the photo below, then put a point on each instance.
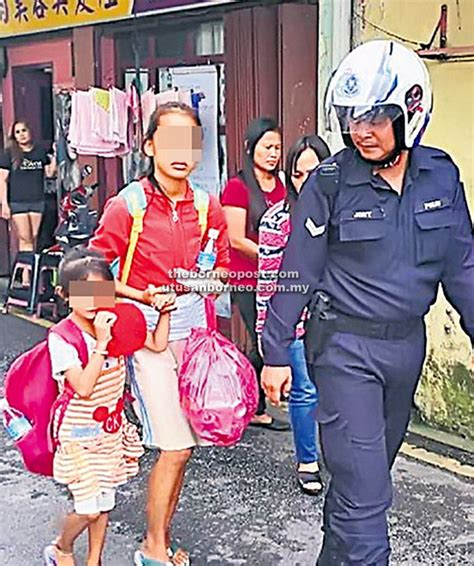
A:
(217, 385)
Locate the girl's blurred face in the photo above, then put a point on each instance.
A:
(306, 163)
(176, 146)
(267, 152)
(22, 134)
(86, 297)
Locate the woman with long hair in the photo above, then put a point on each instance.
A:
(274, 231)
(246, 197)
(23, 167)
(172, 235)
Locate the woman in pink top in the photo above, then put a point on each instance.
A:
(246, 197)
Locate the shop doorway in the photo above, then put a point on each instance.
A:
(33, 102)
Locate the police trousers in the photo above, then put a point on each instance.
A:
(366, 388)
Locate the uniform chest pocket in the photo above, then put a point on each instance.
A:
(433, 219)
(362, 225)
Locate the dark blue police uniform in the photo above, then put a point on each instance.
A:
(379, 257)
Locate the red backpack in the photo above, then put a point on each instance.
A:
(31, 389)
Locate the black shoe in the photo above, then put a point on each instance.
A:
(310, 482)
(329, 556)
(274, 424)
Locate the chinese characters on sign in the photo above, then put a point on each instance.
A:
(61, 5)
(4, 11)
(81, 6)
(21, 11)
(39, 9)
(20, 17)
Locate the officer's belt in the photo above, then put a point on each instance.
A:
(395, 330)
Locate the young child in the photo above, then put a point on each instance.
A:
(98, 448)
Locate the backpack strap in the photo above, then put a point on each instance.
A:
(135, 197)
(68, 331)
(201, 204)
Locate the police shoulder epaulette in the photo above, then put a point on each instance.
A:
(434, 153)
(441, 156)
(444, 164)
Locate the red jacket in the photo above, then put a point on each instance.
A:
(165, 244)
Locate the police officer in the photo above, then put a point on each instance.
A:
(375, 231)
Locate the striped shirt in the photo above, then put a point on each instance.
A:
(98, 448)
(273, 234)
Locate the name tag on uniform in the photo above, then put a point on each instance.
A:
(433, 204)
(313, 229)
(367, 214)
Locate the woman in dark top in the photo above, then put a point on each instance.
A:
(23, 167)
(245, 198)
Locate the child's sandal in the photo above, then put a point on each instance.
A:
(173, 550)
(141, 560)
(54, 556)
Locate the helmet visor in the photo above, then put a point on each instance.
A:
(352, 118)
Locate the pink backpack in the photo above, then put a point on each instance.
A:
(31, 389)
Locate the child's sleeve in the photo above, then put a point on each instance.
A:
(63, 356)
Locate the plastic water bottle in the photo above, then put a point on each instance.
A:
(207, 257)
(15, 423)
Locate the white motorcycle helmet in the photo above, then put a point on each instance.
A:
(378, 79)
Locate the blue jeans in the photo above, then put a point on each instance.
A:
(303, 402)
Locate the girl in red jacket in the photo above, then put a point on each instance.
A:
(171, 238)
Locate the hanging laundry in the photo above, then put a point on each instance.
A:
(119, 116)
(135, 164)
(174, 95)
(133, 102)
(150, 101)
(101, 112)
(185, 97)
(149, 104)
(167, 96)
(69, 174)
(99, 123)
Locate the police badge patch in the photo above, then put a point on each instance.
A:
(348, 85)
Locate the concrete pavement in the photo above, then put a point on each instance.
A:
(240, 506)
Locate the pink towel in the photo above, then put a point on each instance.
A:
(99, 123)
(148, 101)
